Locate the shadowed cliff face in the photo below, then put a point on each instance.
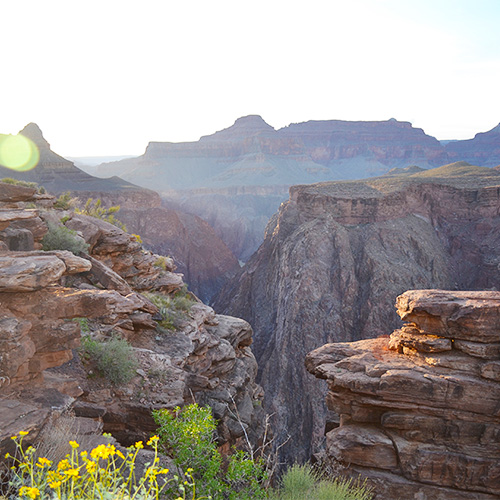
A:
(334, 258)
(199, 254)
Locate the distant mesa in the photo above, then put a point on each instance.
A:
(483, 150)
(245, 126)
(237, 177)
(412, 169)
(252, 153)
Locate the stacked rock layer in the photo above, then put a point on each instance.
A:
(419, 410)
(46, 298)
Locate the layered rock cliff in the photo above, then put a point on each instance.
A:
(238, 176)
(419, 414)
(483, 149)
(200, 254)
(205, 358)
(252, 153)
(333, 259)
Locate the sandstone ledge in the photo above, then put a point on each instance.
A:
(416, 406)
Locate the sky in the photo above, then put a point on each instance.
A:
(106, 77)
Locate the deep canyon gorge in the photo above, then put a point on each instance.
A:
(331, 261)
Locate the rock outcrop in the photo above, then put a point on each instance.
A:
(332, 261)
(198, 251)
(418, 410)
(45, 295)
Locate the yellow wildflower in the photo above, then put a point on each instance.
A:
(63, 464)
(54, 484)
(74, 444)
(91, 467)
(139, 445)
(25, 433)
(152, 440)
(151, 472)
(42, 462)
(71, 472)
(103, 451)
(30, 492)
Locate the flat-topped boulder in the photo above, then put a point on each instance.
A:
(471, 316)
(420, 408)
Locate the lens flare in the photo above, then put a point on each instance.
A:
(18, 152)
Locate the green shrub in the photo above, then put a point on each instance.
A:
(60, 237)
(161, 262)
(65, 201)
(173, 309)
(188, 435)
(245, 477)
(94, 209)
(114, 359)
(16, 182)
(297, 482)
(301, 482)
(84, 325)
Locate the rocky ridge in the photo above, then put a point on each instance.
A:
(418, 410)
(198, 251)
(333, 258)
(207, 358)
(236, 178)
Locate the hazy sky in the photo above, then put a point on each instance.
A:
(106, 77)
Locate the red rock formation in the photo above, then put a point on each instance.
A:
(419, 411)
(207, 357)
(199, 254)
(332, 261)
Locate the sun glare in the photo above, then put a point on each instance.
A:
(18, 152)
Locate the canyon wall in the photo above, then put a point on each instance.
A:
(46, 299)
(236, 178)
(198, 251)
(334, 258)
(419, 414)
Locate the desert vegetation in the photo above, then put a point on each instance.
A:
(113, 358)
(94, 208)
(173, 308)
(59, 237)
(107, 471)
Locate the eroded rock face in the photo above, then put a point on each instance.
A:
(199, 254)
(207, 358)
(420, 423)
(333, 259)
